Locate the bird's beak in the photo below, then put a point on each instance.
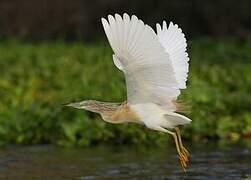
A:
(77, 105)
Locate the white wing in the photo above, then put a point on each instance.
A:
(146, 65)
(174, 42)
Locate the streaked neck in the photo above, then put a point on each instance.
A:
(103, 107)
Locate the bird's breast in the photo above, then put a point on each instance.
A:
(124, 113)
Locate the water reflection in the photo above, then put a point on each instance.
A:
(48, 162)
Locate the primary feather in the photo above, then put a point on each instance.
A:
(139, 54)
(174, 42)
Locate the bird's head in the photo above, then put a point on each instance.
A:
(90, 105)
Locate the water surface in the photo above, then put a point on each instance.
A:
(208, 161)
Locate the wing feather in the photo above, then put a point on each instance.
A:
(174, 42)
(138, 53)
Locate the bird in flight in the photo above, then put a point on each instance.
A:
(155, 66)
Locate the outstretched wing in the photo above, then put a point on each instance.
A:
(138, 53)
(174, 42)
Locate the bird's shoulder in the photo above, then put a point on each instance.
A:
(125, 113)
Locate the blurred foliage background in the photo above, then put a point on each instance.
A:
(55, 52)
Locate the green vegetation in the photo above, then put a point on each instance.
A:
(36, 79)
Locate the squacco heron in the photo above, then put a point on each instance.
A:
(155, 66)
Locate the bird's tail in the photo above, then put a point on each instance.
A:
(175, 119)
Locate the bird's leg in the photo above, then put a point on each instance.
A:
(183, 159)
(183, 149)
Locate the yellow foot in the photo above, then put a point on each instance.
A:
(184, 159)
(183, 162)
(185, 151)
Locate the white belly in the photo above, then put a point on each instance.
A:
(151, 114)
(154, 115)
